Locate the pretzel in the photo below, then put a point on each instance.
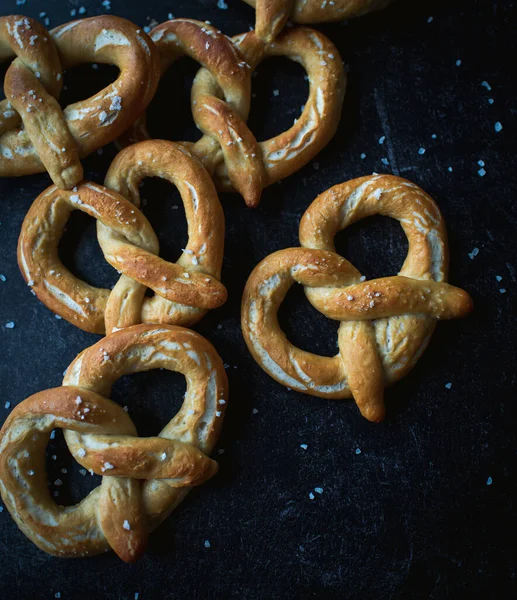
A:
(385, 324)
(53, 139)
(102, 438)
(272, 15)
(184, 290)
(221, 96)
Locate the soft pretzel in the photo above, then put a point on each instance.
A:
(53, 139)
(273, 14)
(221, 102)
(102, 438)
(386, 323)
(184, 290)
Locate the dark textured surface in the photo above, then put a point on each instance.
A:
(410, 516)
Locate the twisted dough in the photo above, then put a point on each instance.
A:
(144, 479)
(184, 290)
(53, 139)
(221, 96)
(385, 324)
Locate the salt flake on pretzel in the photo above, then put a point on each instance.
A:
(53, 139)
(102, 438)
(385, 324)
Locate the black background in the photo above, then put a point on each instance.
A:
(411, 515)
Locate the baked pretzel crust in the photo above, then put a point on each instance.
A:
(144, 479)
(184, 290)
(385, 324)
(53, 139)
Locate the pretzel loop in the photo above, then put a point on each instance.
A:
(102, 437)
(220, 102)
(287, 152)
(184, 290)
(52, 139)
(385, 324)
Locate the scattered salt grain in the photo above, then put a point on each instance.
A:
(448, 385)
(489, 481)
(126, 525)
(303, 446)
(9, 325)
(207, 544)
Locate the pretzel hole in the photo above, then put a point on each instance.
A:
(81, 254)
(83, 81)
(153, 398)
(279, 92)
(69, 487)
(163, 207)
(304, 326)
(376, 246)
(169, 116)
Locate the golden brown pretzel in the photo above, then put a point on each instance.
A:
(52, 139)
(385, 324)
(102, 438)
(273, 14)
(184, 290)
(221, 102)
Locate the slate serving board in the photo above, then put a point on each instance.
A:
(421, 506)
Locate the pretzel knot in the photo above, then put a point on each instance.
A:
(102, 438)
(272, 15)
(221, 96)
(35, 134)
(184, 290)
(385, 324)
